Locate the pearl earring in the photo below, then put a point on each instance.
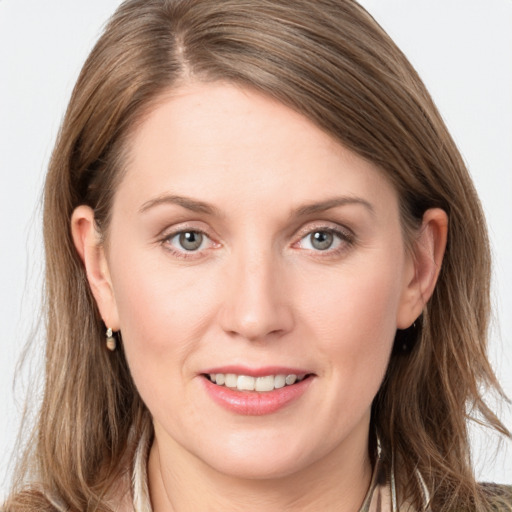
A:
(111, 341)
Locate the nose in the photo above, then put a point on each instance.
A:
(257, 303)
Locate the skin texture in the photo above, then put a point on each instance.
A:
(256, 293)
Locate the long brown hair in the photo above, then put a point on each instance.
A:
(330, 61)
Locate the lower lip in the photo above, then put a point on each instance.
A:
(253, 403)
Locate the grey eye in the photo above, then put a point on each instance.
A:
(321, 240)
(190, 240)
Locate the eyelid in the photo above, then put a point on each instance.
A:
(332, 227)
(167, 234)
(346, 235)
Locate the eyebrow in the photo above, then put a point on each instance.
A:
(186, 202)
(323, 206)
(302, 211)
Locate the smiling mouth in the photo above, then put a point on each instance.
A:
(248, 383)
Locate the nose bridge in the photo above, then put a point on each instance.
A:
(256, 304)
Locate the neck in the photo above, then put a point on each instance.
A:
(180, 482)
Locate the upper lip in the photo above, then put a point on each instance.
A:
(258, 372)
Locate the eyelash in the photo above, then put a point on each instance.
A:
(345, 240)
(184, 254)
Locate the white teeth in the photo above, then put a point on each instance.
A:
(248, 383)
(264, 383)
(231, 380)
(290, 379)
(279, 381)
(245, 383)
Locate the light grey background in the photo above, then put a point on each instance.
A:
(462, 50)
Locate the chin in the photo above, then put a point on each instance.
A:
(258, 467)
(262, 458)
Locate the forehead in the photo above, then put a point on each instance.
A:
(228, 144)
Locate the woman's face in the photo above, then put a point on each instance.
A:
(246, 243)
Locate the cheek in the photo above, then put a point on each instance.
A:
(163, 315)
(353, 319)
(355, 326)
(152, 295)
(363, 303)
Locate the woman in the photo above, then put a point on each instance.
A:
(258, 234)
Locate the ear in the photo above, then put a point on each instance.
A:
(423, 266)
(88, 244)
